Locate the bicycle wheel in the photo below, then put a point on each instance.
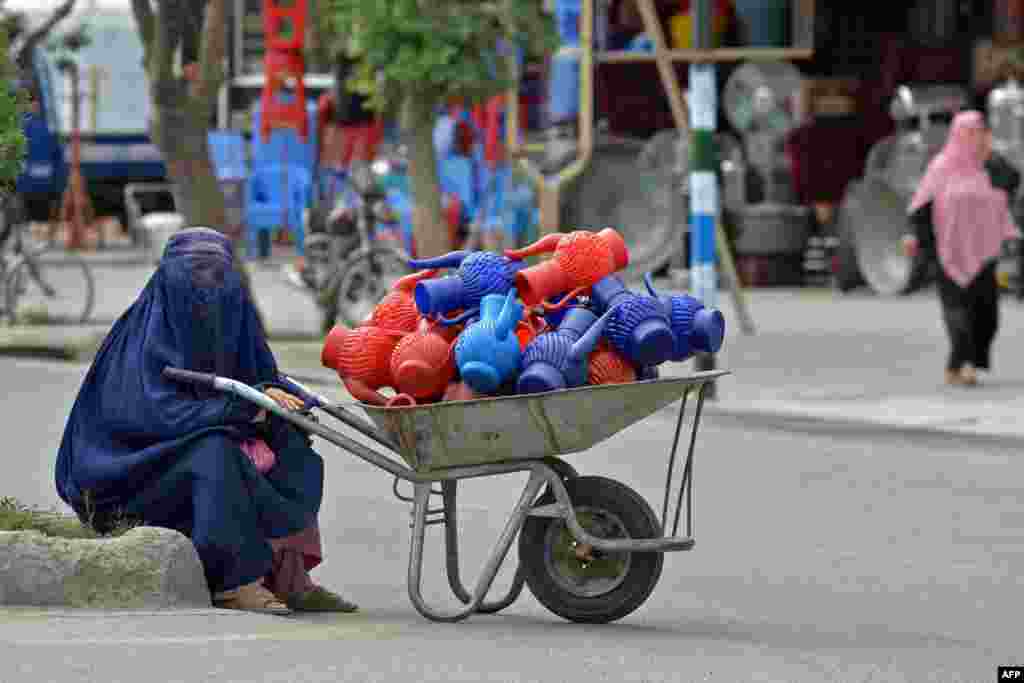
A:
(50, 286)
(363, 280)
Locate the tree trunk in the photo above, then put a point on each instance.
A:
(429, 227)
(180, 132)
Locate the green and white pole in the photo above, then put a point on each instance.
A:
(704, 200)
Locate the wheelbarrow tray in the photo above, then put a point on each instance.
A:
(531, 426)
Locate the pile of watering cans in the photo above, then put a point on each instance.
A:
(496, 326)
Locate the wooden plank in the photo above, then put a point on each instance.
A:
(669, 79)
(722, 54)
(802, 24)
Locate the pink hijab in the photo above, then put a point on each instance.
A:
(971, 217)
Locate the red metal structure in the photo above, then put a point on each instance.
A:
(284, 28)
(76, 210)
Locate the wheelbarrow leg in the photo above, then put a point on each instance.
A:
(538, 476)
(451, 544)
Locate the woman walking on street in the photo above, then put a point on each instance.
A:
(962, 215)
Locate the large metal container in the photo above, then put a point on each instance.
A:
(1006, 117)
(922, 101)
(875, 215)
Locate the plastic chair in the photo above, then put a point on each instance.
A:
(276, 196)
(228, 154)
(284, 146)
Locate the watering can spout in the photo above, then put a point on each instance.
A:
(511, 312)
(582, 347)
(409, 282)
(542, 246)
(452, 259)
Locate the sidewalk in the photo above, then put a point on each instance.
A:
(817, 355)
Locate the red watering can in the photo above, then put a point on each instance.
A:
(608, 366)
(397, 310)
(581, 258)
(423, 364)
(460, 391)
(362, 354)
(362, 359)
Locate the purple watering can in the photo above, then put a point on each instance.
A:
(696, 329)
(640, 329)
(487, 352)
(558, 360)
(479, 273)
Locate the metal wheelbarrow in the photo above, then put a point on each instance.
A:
(590, 548)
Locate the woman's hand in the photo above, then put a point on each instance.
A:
(284, 399)
(911, 247)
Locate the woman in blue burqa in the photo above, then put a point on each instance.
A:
(244, 485)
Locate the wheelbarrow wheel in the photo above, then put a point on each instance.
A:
(580, 583)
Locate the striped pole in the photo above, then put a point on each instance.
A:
(704, 200)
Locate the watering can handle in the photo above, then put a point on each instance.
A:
(550, 308)
(462, 317)
(363, 393)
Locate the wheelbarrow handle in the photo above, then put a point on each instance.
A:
(205, 379)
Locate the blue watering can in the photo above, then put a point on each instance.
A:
(696, 329)
(558, 360)
(479, 273)
(487, 352)
(640, 329)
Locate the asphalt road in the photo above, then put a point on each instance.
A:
(853, 557)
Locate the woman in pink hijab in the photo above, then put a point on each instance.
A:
(965, 218)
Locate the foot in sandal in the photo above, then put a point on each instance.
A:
(318, 599)
(252, 597)
(968, 375)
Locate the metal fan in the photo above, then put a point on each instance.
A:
(638, 194)
(875, 217)
(761, 96)
(901, 159)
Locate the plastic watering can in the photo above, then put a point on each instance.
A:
(558, 360)
(487, 353)
(695, 328)
(580, 259)
(479, 273)
(640, 329)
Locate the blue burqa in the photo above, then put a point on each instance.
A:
(139, 445)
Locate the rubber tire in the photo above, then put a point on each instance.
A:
(341, 310)
(644, 571)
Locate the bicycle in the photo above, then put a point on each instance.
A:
(42, 283)
(348, 268)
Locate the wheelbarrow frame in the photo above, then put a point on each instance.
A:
(544, 471)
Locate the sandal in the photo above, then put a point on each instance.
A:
(318, 599)
(252, 598)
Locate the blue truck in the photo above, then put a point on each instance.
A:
(110, 161)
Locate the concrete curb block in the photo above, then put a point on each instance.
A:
(147, 567)
(71, 344)
(60, 343)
